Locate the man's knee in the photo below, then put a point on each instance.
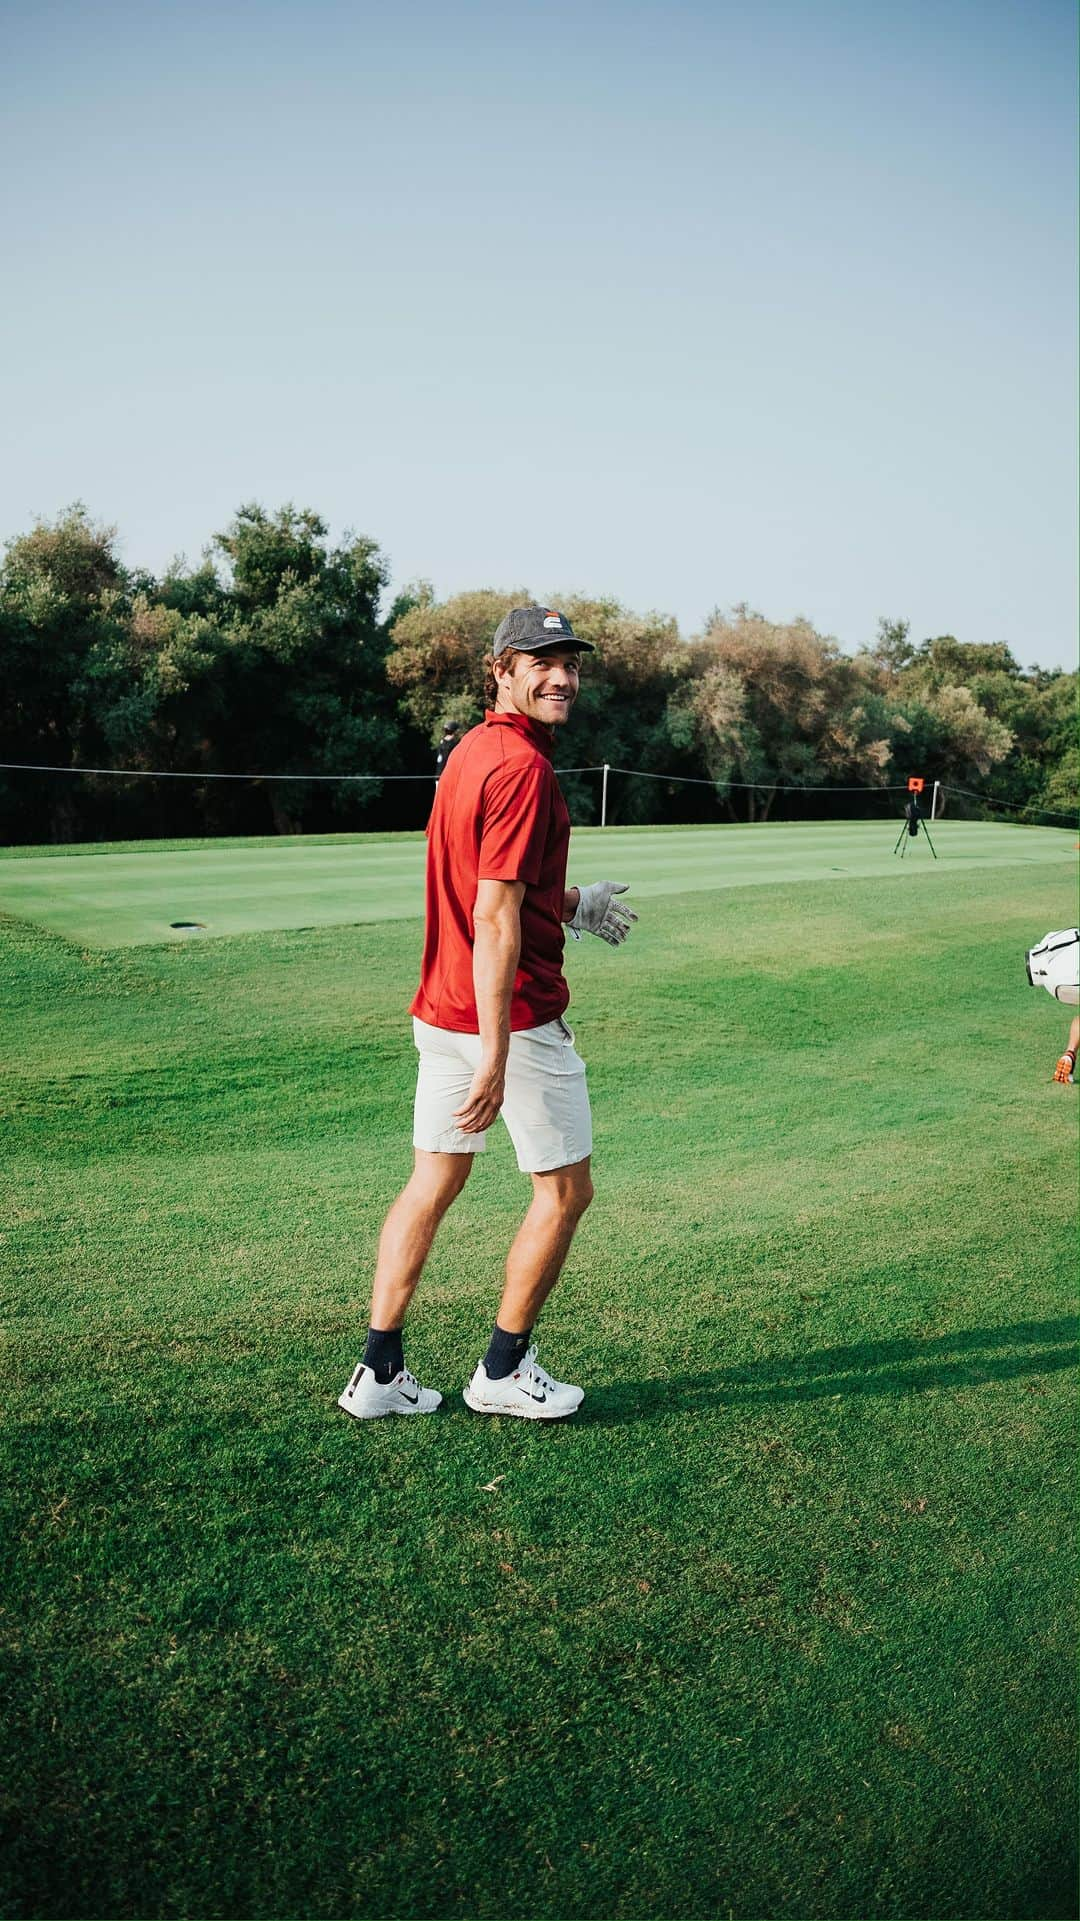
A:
(566, 1190)
(437, 1179)
(583, 1192)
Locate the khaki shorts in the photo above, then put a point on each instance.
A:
(546, 1108)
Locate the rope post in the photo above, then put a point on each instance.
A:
(933, 802)
(603, 798)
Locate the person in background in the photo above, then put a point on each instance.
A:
(1066, 1067)
(447, 743)
(1055, 964)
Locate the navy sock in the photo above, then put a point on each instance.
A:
(384, 1353)
(505, 1352)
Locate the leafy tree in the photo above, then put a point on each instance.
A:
(438, 653)
(961, 699)
(1061, 789)
(707, 714)
(773, 706)
(947, 662)
(302, 662)
(621, 711)
(892, 651)
(974, 740)
(64, 606)
(182, 651)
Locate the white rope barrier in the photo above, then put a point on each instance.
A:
(604, 767)
(1014, 807)
(166, 773)
(753, 786)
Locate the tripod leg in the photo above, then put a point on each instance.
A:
(926, 831)
(900, 842)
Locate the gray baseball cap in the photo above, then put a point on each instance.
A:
(530, 630)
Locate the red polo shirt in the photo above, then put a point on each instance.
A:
(498, 815)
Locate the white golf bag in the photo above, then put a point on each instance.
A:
(1055, 965)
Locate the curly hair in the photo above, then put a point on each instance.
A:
(491, 685)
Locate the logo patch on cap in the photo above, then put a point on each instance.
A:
(553, 620)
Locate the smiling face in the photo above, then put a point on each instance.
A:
(543, 686)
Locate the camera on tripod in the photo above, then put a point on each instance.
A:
(914, 818)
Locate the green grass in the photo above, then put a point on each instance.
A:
(131, 894)
(781, 1624)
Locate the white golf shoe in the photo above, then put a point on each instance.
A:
(528, 1392)
(367, 1398)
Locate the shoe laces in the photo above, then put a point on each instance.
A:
(532, 1369)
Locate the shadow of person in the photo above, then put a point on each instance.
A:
(968, 1358)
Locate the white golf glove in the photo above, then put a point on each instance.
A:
(598, 913)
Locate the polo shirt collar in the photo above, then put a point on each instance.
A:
(534, 730)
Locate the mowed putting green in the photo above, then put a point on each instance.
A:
(781, 1624)
(128, 897)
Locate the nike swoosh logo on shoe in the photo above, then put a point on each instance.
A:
(411, 1398)
(532, 1396)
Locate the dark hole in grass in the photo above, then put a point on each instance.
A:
(187, 926)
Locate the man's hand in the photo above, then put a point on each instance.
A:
(486, 1093)
(598, 913)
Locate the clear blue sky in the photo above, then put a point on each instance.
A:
(687, 303)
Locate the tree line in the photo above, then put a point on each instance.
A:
(280, 654)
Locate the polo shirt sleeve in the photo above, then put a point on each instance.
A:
(514, 824)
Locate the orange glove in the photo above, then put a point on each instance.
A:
(1066, 1066)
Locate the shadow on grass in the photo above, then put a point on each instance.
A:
(968, 1358)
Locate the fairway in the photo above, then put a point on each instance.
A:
(127, 898)
(781, 1624)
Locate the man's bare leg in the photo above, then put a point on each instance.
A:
(542, 1243)
(381, 1383)
(409, 1230)
(509, 1380)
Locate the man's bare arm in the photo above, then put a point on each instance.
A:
(496, 950)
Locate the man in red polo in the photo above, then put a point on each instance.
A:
(489, 1028)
